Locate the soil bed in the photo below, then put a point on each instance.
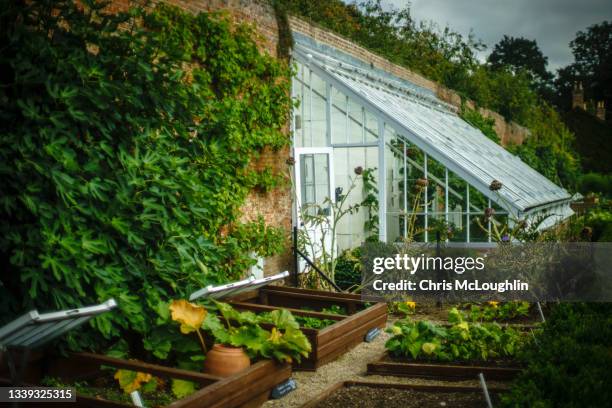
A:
(372, 395)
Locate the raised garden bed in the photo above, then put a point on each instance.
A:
(355, 320)
(492, 370)
(439, 314)
(248, 389)
(370, 394)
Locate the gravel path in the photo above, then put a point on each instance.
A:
(350, 366)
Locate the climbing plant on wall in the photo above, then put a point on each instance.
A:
(125, 148)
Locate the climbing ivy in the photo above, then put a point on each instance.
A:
(126, 150)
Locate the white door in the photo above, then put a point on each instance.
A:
(314, 171)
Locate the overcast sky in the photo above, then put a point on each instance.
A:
(552, 23)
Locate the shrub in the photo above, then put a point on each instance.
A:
(596, 183)
(600, 223)
(348, 269)
(569, 361)
(126, 143)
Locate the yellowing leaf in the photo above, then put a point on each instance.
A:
(189, 315)
(428, 348)
(275, 336)
(130, 381)
(463, 326)
(182, 388)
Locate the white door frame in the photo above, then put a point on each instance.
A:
(297, 151)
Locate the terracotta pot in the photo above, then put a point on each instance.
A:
(225, 360)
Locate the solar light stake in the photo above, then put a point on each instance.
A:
(541, 312)
(483, 384)
(136, 399)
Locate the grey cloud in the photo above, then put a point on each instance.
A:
(552, 23)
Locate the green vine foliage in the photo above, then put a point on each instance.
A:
(485, 125)
(370, 192)
(125, 148)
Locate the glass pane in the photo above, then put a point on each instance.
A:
(416, 227)
(457, 226)
(478, 229)
(351, 231)
(371, 126)
(339, 121)
(355, 122)
(314, 182)
(436, 201)
(414, 163)
(307, 110)
(395, 227)
(298, 117)
(478, 201)
(319, 116)
(457, 207)
(498, 209)
(394, 172)
(394, 176)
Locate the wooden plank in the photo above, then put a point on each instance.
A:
(288, 289)
(298, 312)
(343, 337)
(253, 388)
(423, 387)
(358, 319)
(441, 371)
(275, 295)
(201, 378)
(235, 384)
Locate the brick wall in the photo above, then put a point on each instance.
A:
(275, 206)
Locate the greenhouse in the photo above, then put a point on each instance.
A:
(353, 116)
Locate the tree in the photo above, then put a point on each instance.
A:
(522, 55)
(592, 64)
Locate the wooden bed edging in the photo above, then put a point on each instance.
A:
(247, 389)
(155, 369)
(338, 338)
(414, 387)
(441, 371)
